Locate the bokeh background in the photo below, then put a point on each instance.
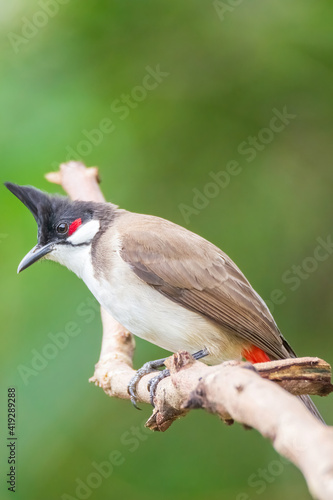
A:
(65, 67)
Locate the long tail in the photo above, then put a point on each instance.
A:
(257, 355)
(311, 407)
(306, 400)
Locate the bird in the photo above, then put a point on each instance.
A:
(160, 281)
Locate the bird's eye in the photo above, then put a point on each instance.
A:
(62, 228)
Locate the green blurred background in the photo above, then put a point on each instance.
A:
(227, 71)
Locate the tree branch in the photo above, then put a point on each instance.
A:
(233, 390)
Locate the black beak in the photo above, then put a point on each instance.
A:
(37, 253)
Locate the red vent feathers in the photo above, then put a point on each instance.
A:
(255, 355)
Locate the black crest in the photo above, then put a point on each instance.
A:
(50, 210)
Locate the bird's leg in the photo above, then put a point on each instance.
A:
(148, 367)
(154, 381)
(200, 354)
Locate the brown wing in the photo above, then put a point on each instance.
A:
(199, 276)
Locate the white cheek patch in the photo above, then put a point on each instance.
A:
(85, 233)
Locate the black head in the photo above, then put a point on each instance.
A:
(58, 219)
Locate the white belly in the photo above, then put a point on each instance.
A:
(147, 313)
(150, 315)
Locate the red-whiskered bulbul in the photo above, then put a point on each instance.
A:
(162, 282)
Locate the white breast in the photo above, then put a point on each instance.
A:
(148, 314)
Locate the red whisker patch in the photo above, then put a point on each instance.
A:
(74, 226)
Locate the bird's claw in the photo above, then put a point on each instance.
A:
(132, 392)
(148, 367)
(153, 383)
